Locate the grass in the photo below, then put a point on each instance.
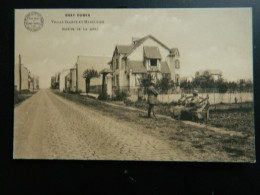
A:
(18, 98)
(199, 142)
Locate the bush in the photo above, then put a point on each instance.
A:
(91, 97)
(120, 96)
(25, 91)
(103, 96)
(73, 92)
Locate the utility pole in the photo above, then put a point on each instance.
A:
(20, 74)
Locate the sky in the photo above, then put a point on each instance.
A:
(212, 38)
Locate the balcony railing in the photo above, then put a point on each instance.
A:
(153, 68)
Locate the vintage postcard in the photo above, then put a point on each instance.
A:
(134, 84)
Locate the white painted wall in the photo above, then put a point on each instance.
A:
(138, 52)
(62, 79)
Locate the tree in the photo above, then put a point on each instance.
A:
(88, 75)
(164, 84)
(145, 82)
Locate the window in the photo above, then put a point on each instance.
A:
(177, 64)
(117, 80)
(153, 62)
(177, 78)
(117, 64)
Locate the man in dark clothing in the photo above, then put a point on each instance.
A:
(152, 98)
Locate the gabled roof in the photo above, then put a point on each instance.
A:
(214, 72)
(64, 71)
(140, 41)
(123, 49)
(126, 50)
(96, 62)
(137, 66)
(152, 52)
(165, 68)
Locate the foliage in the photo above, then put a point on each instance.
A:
(220, 84)
(164, 84)
(120, 95)
(88, 74)
(103, 96)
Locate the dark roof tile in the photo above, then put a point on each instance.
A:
(152, 52)
(165, 68)
(137, 66)
(123, 49)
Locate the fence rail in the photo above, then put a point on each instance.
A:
(215, 97)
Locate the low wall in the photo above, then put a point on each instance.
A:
(214, 98)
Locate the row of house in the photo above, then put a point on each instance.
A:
(127, 67)
(24, 79)
(71, 80)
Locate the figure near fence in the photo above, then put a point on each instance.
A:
(152, 98)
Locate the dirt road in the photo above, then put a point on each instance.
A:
(47, 126)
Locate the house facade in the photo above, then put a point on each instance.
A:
(72, 80)
(67, 82)
(147, 55)
(62, 75)
(83, 63)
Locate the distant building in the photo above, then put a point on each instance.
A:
(215, 74)
(30, 82)
(55, 81)
(25, 78)
(67, 82)
(36, 82)
(88, 62)
(62, 75)
(187, 78)
(73, 82)
(147, 55)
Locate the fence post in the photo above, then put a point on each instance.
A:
(214, 97)
(168, 95)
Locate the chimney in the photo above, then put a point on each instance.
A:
(134, 40)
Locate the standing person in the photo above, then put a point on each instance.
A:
(152, 98)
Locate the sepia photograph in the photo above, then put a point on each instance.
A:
(134, 85)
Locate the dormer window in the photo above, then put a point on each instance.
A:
(153, 62)
(117, 63)
(152, 55)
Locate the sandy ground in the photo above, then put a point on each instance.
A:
(48, 126)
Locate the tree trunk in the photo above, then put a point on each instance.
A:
(87, 85)
(103, 84)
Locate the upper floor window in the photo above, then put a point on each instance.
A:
(153, 62)
(177, 64)
(117, 64)
(177, 78)
(117, 80)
